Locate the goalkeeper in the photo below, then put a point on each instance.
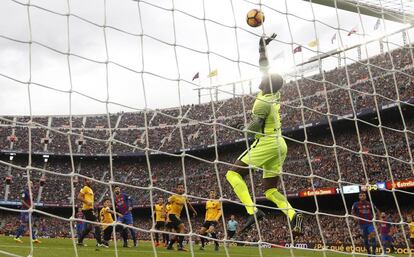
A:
(269, 149)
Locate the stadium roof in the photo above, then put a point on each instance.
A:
(393, 10)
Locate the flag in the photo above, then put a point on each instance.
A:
(353, 31)
(281, 54)
(196, 76)
(313, 43)
(297, 49)
(377, 24)
(212, 73)
(333, 38)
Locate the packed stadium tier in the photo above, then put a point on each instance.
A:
(382, 82)
(373, 156)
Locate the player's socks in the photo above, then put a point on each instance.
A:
(280, 200)
(180, 241)
(166, 238)
(20, 231)
(85, 233)
(171, 243)
(203, 241)
(214, 236)
(134, 237)
(241, 190)
(366, 243)
(98, 234)
(157, 239)
(374, 245)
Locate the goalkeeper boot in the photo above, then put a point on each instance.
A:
(296, 224)
(37, 241)
(251, 220)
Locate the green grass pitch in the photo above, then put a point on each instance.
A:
(64, 248)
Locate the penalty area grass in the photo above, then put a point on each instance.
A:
(64, 248)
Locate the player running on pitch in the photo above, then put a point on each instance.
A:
(268, 151)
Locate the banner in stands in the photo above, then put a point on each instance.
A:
(318, 191)
(406, 183)
(399, 249)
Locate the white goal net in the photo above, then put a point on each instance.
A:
(147, 96)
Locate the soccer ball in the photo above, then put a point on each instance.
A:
(255, 18)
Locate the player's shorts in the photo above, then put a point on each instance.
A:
(207, 224)
(175, 222)
(412, 240)
(386, 238)
(367, 229)
(24, 217)
(230, 234)
(89, 215)
(268, 153)
(126, 219)
(159, 225)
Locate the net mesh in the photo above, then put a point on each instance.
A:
(345, 114)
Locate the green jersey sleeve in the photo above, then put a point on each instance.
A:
(261, 109)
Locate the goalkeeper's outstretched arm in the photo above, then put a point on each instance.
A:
(263, 60)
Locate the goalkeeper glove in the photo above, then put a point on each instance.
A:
(264, 41)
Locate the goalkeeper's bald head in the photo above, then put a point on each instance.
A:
(271, 83)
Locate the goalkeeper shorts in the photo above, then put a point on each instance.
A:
(267, 153)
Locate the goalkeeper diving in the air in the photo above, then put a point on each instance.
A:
(268, 151)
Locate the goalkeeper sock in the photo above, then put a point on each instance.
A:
(241, 190)
(280, 200)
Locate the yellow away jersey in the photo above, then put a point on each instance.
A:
(159, 212)
(105, 216)
(213, 210)
(167, 210)
(411, 227)
(176, 204)
(88, 195)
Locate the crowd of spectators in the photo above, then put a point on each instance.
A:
(372, 156)
(365, 85)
